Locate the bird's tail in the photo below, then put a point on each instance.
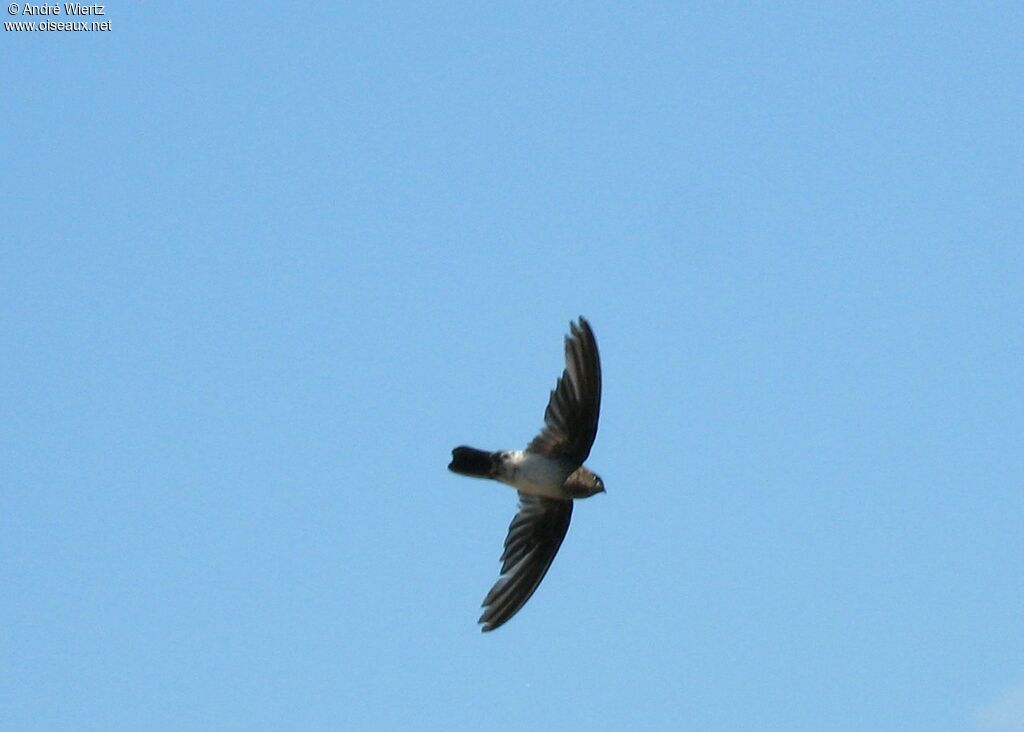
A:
(470, 461)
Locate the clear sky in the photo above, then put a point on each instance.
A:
(264, 265)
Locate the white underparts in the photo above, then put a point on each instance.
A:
(534, 474)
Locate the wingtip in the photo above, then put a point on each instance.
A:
(581, 325)
(488, 626)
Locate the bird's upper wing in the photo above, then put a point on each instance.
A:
(532, 542)
(570, 421)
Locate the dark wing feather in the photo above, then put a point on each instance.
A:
(534, 537)
(570, 420)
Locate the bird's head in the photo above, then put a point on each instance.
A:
(583, 484)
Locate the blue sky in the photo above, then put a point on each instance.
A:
(262, 270)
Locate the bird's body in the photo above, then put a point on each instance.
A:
(527, 472)
(549, 475)
(534, 474)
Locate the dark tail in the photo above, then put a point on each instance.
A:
(470, 461)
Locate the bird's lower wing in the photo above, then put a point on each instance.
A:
(534, 537)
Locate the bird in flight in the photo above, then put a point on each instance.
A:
(549, 475)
